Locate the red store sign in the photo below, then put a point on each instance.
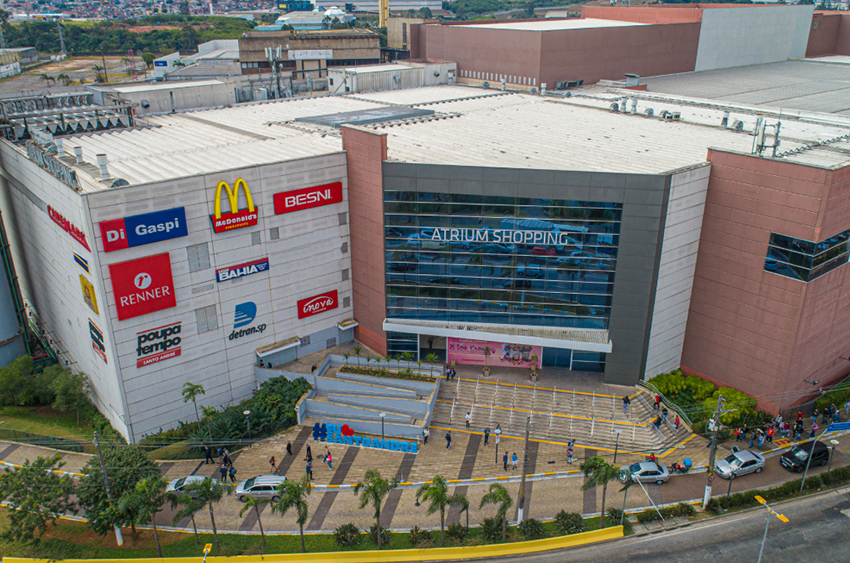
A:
(306, 198)
(142, 286)
(68, 227)
(317, 304)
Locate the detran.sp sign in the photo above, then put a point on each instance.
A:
(306, 198)
(317, 304)
(142, 229)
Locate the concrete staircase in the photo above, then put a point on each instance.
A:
(590, 419)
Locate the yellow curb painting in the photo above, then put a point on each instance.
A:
(433, 554)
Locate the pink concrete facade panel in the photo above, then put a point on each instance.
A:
(366, 151)
(641, 14)
(823, 34)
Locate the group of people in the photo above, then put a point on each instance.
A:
(226, 470)
(785, 428)
(326, 458)
(450, 373)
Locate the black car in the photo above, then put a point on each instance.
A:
(797, 457)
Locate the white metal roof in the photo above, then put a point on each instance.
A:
(552, 25)
(165, 86)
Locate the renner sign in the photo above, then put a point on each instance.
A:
(305, 198)
(142, 286)
(317, 304)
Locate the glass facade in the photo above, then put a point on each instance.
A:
(502, 260)
(805, 260)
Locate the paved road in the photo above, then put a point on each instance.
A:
(817, 531)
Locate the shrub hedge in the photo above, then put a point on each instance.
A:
(570, 522)
(681, 509)
(347, 535)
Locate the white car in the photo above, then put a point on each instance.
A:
(178, 485)
(646, 471)
(740, 463)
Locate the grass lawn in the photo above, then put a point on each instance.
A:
(44, 420)
(74, 540)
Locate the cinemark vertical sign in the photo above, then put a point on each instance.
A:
(306, 198)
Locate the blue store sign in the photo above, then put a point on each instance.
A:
(336, 434)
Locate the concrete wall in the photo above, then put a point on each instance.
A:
(731, 37)
(682, 228)
(644, 199)
(366, 150)
(751, 329)
(180, 96)
(374, 428)
(675, 13)
(11, 334)
(414, 408)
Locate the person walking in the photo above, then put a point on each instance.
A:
(761, 438)
(486, 435)
(814, 430)
(468, 419)
(454, 374)
(329, 459)
(220, 453)
(514, 460)
(737, 434)
(770, 433)
(505, 460)
(207, 455)
(223, 471)
(309, 453)
(664, 412)
(448, 372)
(752, 438)
(657, 404)
(289, 448)
(273, 465)
(310, 468)
(677, 422)
(430, 343)
(570, 455)
(847, 408)
(815, 414)
(232, 474)
(226, 458)
(425, 434)
(626, 403)
(448, 440)
(827, 412)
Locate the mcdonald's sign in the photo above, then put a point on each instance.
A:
(237, 218)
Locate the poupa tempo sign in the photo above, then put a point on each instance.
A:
(343, 434)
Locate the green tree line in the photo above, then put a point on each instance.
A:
(116, 36)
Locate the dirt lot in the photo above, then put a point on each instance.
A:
(76, 68)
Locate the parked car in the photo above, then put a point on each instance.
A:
(443, 280)
(260, 487)
(645, 471)
(179, 485)
(517, 284)
(797, 457)
(530, 272)
(739, 463)
(498, 248)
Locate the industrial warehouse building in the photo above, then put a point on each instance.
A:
(619, 233)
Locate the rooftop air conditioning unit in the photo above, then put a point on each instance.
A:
(649, 112)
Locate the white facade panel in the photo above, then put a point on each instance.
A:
(679, 247)
(731, 37)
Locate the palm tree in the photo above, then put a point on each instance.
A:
(293, 494)
(357, 350)
(598, 472)
(431, 359)
(189, 507)
(499, 496)
(190, 391)
(372, 491)
(143, 502)
(208, 492)
(463, 503)
(98, 73)
(408, 356)
(346, 356)
(64, 79)
(437, 495)
(251, 502)
(368, 359)
(46, 78)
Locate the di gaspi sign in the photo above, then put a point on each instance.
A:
(237, 218)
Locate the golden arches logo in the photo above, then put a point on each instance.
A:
(237, 218)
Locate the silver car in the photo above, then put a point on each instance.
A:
(260, 487)
(739, 463)
(178, 485)
(646, 471)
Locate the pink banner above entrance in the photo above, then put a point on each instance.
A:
(502, 354)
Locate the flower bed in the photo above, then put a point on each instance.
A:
(381, 372)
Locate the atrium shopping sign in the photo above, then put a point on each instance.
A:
(237, 218)
(343, 434)
(508, 236)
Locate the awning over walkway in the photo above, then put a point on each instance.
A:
(585, 340)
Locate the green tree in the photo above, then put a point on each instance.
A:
(47, 78)
(425, 12)
(188, 507)
(148, 58)
(190, 393)
(208, 492)
(498, 495)
(372, 490)
(598, 472)
(141, 504)
(293, 494)
(66, 80)
(37, 497)
(431, 359)
(184, 8)
(357, 350)
(71, 391)
(255, 503)
(126, 465)
(438, 498)
(14, 380)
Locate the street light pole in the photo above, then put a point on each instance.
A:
(770, 512)
(616, 447)
(248, 421)
(119, 538)
(383, 416)
(714, 427)
(521, 501)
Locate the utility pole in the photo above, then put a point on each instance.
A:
(521, 502)
(103, 58)
(714, 426)
(118, 537)
(61, 38)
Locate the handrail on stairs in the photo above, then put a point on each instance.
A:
(669, 404)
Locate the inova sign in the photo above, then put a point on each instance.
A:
(317, 304)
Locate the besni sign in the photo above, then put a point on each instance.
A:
(142, 286)
(157, 344)
(97, 341)
(244, 315)
(143, 229)
(317, 304)
(237, 218)
(305, 198)
(240, 270)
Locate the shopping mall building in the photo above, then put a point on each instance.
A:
(585, 232)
